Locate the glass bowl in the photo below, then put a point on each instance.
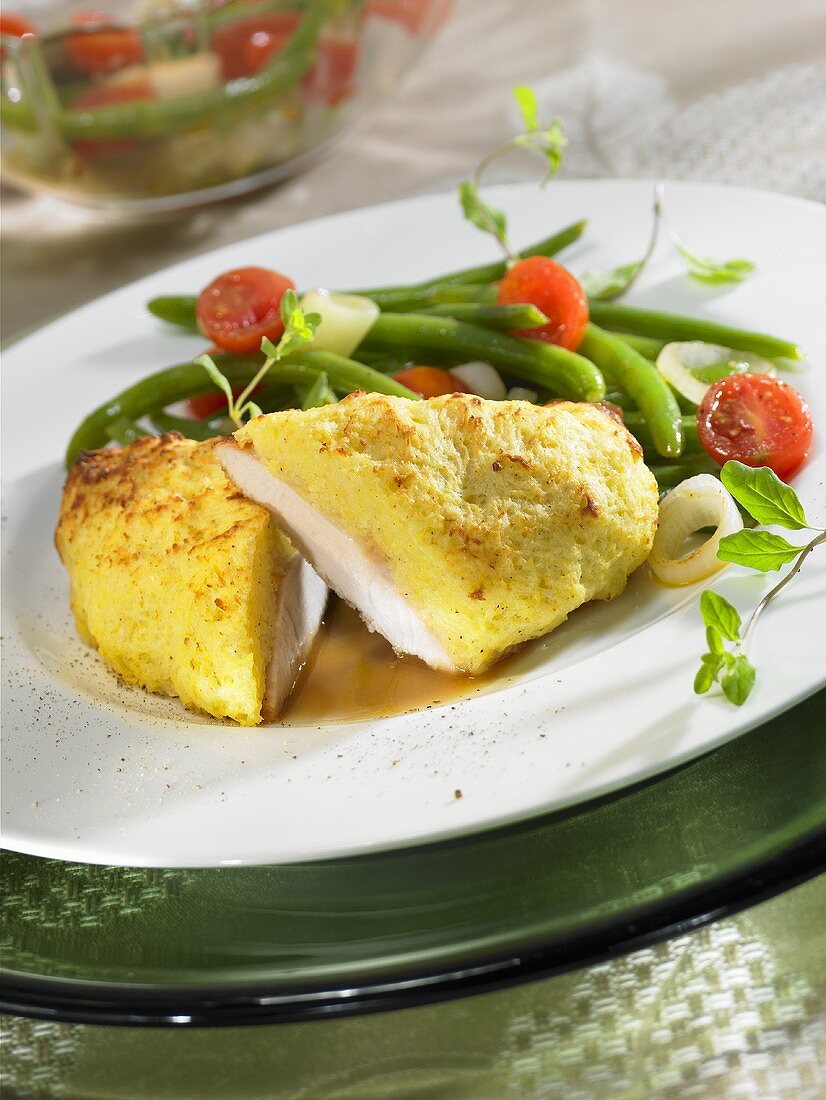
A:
(170, 104)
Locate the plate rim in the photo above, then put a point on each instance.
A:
(733, 730)
(81, 1001)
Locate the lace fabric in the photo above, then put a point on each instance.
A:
(621, 120)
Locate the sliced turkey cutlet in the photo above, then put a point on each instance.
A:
(184, 586)
(457, 527)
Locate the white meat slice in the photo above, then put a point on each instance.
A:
(302, 597)
(350, 569)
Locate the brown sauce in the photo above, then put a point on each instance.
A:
(353, 674)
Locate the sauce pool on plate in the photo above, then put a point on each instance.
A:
(354, 675)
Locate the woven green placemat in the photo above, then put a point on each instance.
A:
(736, 1009)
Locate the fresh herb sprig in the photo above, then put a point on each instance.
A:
(549, 140)
(610, 285)
(707, 270)
(299, 330)
(762, 494)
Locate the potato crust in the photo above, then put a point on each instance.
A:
(495, 518)
(174, 574)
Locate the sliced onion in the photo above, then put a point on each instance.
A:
(520, 393)
(481, 379)
(345, 319)
(677, 362)
(698, 502)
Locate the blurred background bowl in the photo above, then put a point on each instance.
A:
(158, 104)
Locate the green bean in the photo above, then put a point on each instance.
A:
(156, 391)
(405, 298)
(387, 364)
(672, 474)
(621, 399)
(319, 394)
(547, 365)
(344, 375)
(180, 310)
(483, 293)
(672, 326)
(647, 346)
(153, 118)
(638, 426)
(177, 383)
(176, 310)
(125, 431)
(499, 317)
(641, 379)
(472, 284)
(18, 116)
(193, 429)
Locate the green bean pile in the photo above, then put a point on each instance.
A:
(449, 320)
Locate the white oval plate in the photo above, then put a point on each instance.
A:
(99, 772)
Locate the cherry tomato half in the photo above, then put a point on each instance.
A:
(14, 26)
(549, 286)
(103, 48)
(241, 306)
(757, 420)
(206, 405)
(332, 78)
(102, 95)
(246, 45)
(430, 381)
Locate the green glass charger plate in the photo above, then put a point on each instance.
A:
(301, 941)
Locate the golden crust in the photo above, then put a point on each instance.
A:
(174, 574)
(495, 518)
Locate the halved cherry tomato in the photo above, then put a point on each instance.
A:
(241, 306)
(14, 26)
(263, 46)
(430, 381)
(246, 45)
(103, 95)
(757, 420)
(332, 78)
(104, 48)
(206, 405)
(540, 281)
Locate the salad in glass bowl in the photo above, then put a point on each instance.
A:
(166, 103)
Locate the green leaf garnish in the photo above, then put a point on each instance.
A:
(217, 377)
(608, 285)
(319, 394)
(481, 213)
(548, 140)
(760, 550)
(738, 679)
(764, 496)
(707, 270)
(718, 614)
(299, 330)
(528, 107)
(761, 493)
(710, 665)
